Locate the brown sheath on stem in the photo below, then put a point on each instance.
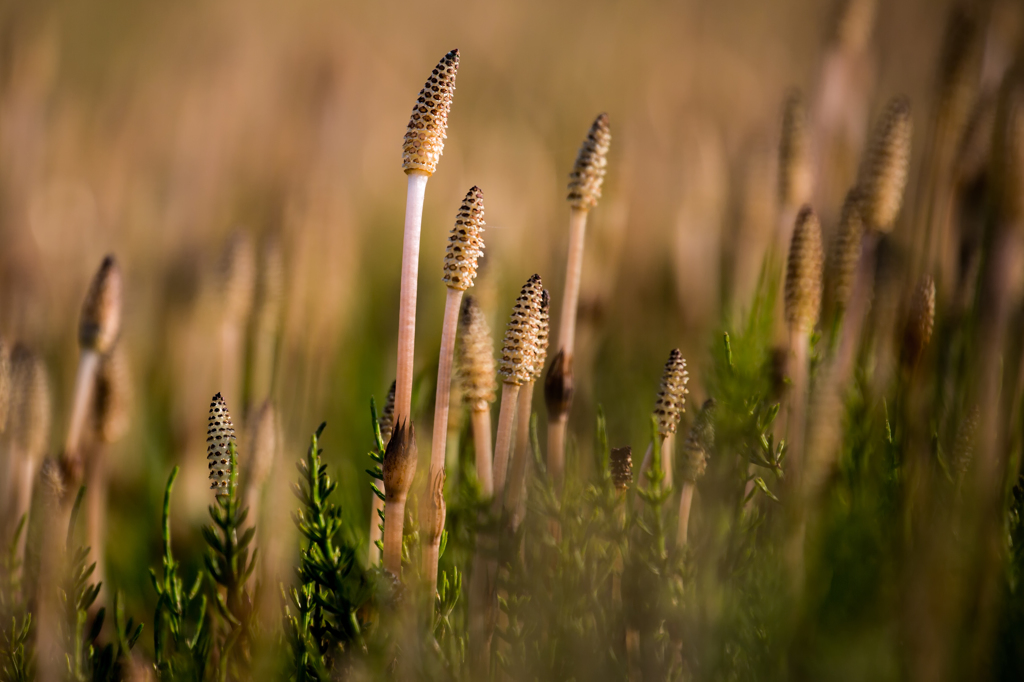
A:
(399, 470)
(558, 391)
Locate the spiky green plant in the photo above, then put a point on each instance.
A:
(182, 638)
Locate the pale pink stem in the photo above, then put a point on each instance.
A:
(484, 454)
(439, 435)
(503, 441)
(88, 362)
(685, 501)
(395, 513)
(517, 478)
(407, 299)
(556, 448)
(573, 275)
(796, 417)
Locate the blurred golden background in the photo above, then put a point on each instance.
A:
(208, 144)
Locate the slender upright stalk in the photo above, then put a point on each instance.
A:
(88, 362)
(685, 502)
(796, 416)
(421, 150)
(585, 183)
(518, 361)
(439, 435)
(98, 329)
(407, 299)
(110, 415)
(96, 506)
(803, 307)
(465, 247)
(515, 500)
(479, 386)
(859, 307)
(573, 277)
(517, 477)
(29, 434)
(694, 461)
(393, 541)
(503, 439)
(483, 451)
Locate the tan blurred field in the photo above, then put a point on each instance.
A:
(160, 132)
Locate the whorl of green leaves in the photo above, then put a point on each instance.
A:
(178, 655)
(230, 565)
(332, 587)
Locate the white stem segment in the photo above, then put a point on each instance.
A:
(442, 397)
(393, 523)
(503, 440)
(407, 299)
(484, 453)
(797, 412)
(685, 501)
(96, 509)
(439, 435)
(668, 448)
(556, 449)
(573, 274)
(516, 496)
(88, 363)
